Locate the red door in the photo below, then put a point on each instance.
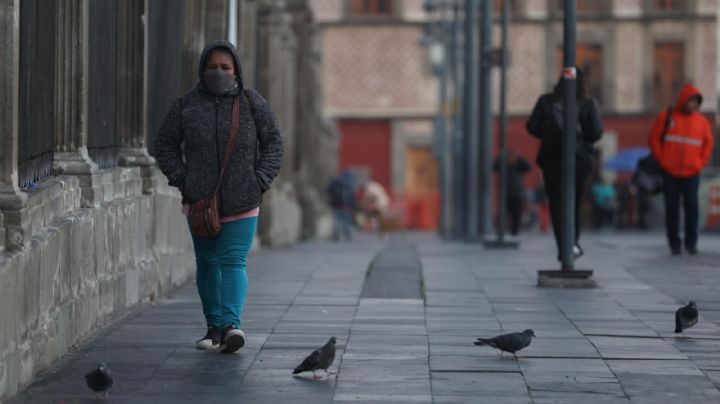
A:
(366, 144)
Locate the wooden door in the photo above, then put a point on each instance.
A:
(421, 188)
(588, 58)
(668, 73)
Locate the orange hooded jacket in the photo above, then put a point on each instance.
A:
(688, 143)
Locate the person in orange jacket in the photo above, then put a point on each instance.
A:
(682, 151)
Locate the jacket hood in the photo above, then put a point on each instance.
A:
(220, 44)
(688, 91)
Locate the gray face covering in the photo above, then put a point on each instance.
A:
(219, 82)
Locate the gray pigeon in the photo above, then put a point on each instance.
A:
(685, 317)
(512, 342)
(319, 359)
(100, 380)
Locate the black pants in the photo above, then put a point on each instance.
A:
(674, 188)
(552, 174)
(514, 210)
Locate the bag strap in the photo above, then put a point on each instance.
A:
(247, 98)
(231, 142)
(668, 118)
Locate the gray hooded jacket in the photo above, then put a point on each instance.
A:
(191, 143)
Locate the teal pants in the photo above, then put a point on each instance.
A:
(221, 277)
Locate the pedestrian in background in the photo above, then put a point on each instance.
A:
(341, 195)
(542, 206)
(604, 203)
(375, 202)
(546, 124)
(190, 149)
(682, 151)
(517, 167)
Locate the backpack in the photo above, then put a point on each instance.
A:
(552, 141)
(338, 192)
(648, 176)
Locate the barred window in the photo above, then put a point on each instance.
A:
(103, 139)
(36, 141)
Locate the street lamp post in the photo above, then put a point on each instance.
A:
(472, 144)
(485, 135)
(501, 242)
(437, 45)
(459, 136)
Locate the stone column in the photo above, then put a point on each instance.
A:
(247, 40)
(277, 72)
(11, 198)
(194, 40)
(71, 93)
(131, 83)
(216, 25)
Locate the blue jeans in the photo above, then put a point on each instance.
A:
(221, 277)
(674, 188)
(342, 223)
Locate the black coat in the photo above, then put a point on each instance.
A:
(191, 143)
(540, 125)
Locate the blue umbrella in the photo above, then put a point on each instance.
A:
(627, 159)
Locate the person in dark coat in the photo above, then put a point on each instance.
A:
(341, 195)
(190, 148)
(517, 167)
(546, 124)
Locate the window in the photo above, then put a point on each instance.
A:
(371, 7)
(588, 58)
(587, 6)
(499, 6)
(668, 73)
(668, 4)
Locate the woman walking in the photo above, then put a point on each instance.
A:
(200, 156)
(546, 124)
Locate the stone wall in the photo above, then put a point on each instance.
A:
(87, 245)
(86, 267)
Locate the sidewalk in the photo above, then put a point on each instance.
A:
(612, 344)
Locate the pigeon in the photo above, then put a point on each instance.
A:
(685, 317)
(100, 380)
(319, 359)
(512, 342)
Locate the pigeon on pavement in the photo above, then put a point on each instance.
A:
(100, 380)
(319, 359)
(512, 342)
(685, 317)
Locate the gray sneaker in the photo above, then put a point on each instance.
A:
(232, 339)
(577, 251)
(211, 340)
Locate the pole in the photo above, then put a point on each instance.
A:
(471, 121)
(502, 204)
(458, 138)
(569, 140)
(485, 147)
(446, 156)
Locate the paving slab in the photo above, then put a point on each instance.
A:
(612, 344)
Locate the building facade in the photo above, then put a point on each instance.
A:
(89, 227)
(381, 90)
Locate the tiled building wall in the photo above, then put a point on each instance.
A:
(376, 70)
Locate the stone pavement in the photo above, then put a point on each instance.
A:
(612, 344)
